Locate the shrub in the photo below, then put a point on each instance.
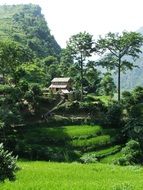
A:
(88, 159)
(36, 90)
(7, 164)
(132, 154)
(24, 86)
(134, 129)
(114, 115)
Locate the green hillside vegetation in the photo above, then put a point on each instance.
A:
(75, 176)
(26, 25)
(78, 121)
(66, 143)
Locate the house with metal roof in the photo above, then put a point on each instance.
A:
(61, 85)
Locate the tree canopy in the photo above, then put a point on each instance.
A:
(117, 48)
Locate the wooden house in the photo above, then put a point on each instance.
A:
(61, 85)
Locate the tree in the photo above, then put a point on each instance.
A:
(107, 85)
(66, 63)
(12, 55)
(118, 49)
(92, 78)
(81, 47)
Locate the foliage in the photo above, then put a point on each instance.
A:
(138, 94)
(34, 73)
(86, 159)
(12, 55)
(134, 129)
(26, 25)
(114, 115)
(80, 46)
(117, 48)
(92, 78)
(8, 165)
(132, 154)
(108, 87)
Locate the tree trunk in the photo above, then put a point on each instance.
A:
(81, 66)
(119, 80)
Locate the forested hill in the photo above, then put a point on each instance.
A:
(26, 25)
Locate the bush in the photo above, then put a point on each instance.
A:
(132, 154)
(114, 115)
(134, 129)
(24, 86)
(88, 159)
(36, 90)
(7, 164)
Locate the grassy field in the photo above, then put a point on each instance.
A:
(75, 176)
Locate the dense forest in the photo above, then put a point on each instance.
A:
(26, 25)
(85, 116)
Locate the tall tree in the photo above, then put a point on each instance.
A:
(118, 48)
(12, 55)
(81, 47)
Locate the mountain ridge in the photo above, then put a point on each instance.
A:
(26, 24)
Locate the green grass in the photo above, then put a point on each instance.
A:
(111, 158)
(55, 176)
(62, 133)
(105, 152)
(105, 99)
(95, 141)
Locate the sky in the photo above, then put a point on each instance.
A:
(97, 17)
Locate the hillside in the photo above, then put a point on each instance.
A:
(26, 25)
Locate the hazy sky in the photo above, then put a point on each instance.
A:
(68, 17)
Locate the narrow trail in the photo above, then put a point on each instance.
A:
(49, 113)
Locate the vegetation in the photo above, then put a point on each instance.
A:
(132, 154)
(14, 20)
(60, 143)
(81, 47)
(41, 175)
(87, 125)
(8, 165)
(119, 46)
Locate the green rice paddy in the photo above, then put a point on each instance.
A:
(75, 176)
